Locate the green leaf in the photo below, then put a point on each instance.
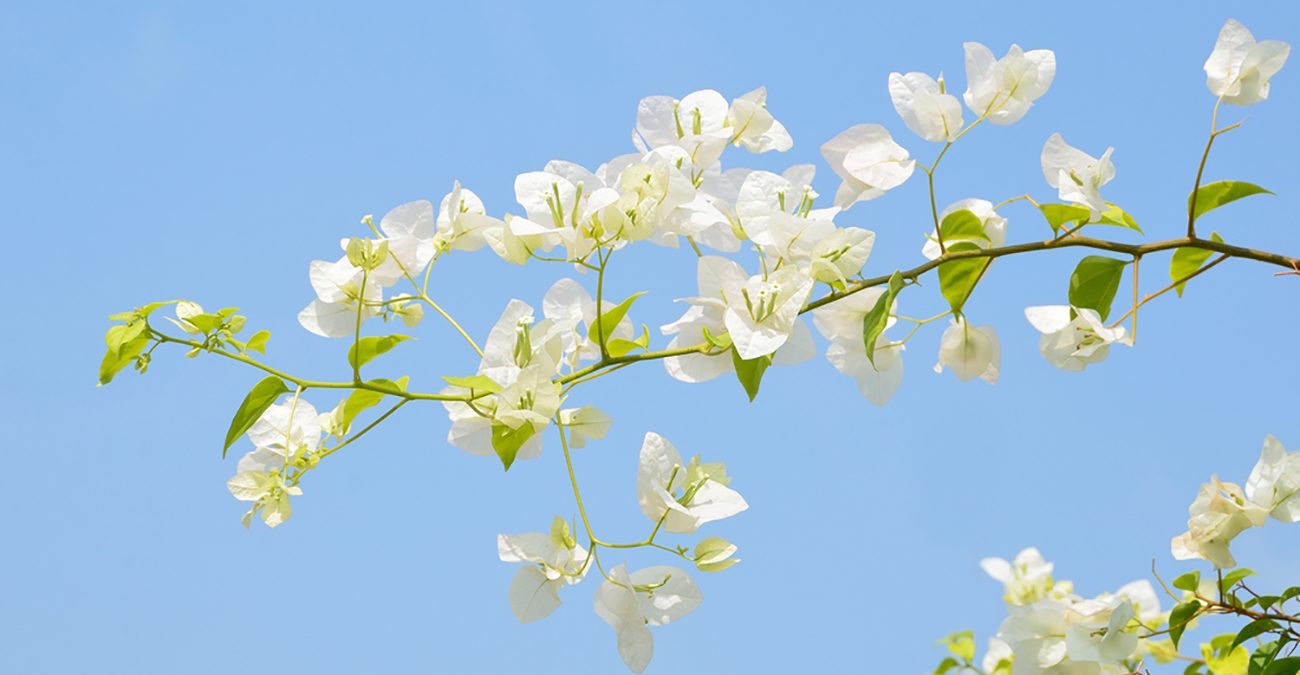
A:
(1064, 215)
(257, 343)
(1095, 282)
(507, 442)
(961, 645)
(1213, 195)
(1290, 593)
(1179, 618)
(125, 344)
(1114, 215)
(481, 383)
(1287, 666)
(362, 399)
(716, 341)
(1265, 602)
(1187, 260)
(605, 325)
(1188, 582)
(873, 324)
(947, 664)
(1231, 578)
(1253, 629)
(368, 348)
(260, 398)
(1233, 661)
(1264, 656)
(622, 346)
(750, 372)
(962, 224)
(957, 278)
(713, 554)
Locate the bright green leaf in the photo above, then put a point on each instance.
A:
(962, 224)
(1095, 282)
(480, 383)
(957, 278)
(1213, 195)
(1114, 215)
(1234, 662)
(362, 399)
(1187, 260)
(713, 554)
(1180, 617)
(750, 372)
(1064, 215)
(257, 343)
(605, 325)
(507, 442)
(1231, 578)
(368, 348)
(1254, 629)
(873, 324)
(262, 395)
(1264, 656)
(717, 341)
(622, 347)
(1188, 582)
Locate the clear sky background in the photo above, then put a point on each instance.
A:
(154, 151)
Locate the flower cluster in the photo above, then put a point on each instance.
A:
(1222, 511)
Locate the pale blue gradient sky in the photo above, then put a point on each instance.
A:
(154, 151)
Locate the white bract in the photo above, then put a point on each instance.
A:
(1239, 68)
(285, 433)
(1077, 175)
(925, 106)
(841, 322)
(1072, 344)
(631, 603)
(682, 496)
(1025, 580)
(1004, 89)
(760, 312)
(1070, 637)
(556, 561)
(970, 352)
(585, 423)
(1274, 483)
(706, 317)
(994, 225)
(1220, 512)
(868, 162)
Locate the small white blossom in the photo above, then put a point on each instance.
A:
(1220, 512)
(970, 352)
(1004, 89)
(1239, 68)
(1274, 483)
(1077, 175)
(868, 161)
(1072, 344)
(631, 603)
(926, 108)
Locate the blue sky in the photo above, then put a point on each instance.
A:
(156, 151)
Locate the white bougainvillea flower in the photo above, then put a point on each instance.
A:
(587, 422)
(840, 255)
(753, 127)
(462, 220)
(840, 322)
(409, 229)
(1077, 175)
(1239, 68)
(1097, 632)
(1004, 89)
(259, 479)
(925, 106)
(630, 604)
(556, 561)
(287, 429)
(572, 311)
(760, 313)
(1274, 483)
(521, 357)
(1220, 512)
(970, 352)
(1144, 599)
(1025, 580)
(1036, 635)
(998, 655)
(697, 124)
(995, 227)
(868, 161)
(684, 496)
(339, 291)
(1072, 344)
(707, 313)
